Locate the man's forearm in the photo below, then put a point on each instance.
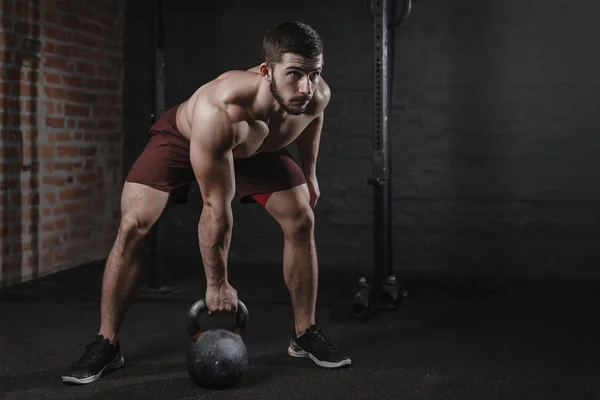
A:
(309, 162)
(308, 147)
(214, 234)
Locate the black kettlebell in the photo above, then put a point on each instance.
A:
(217, 358)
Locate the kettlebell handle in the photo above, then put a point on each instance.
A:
(200, 307)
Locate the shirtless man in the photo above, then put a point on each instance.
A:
(230, 136)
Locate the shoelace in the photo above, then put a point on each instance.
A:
(321, 341)
(92, 351)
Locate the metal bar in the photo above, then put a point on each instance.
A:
(381, 178)
(155, 247)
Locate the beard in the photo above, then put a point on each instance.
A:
(290, 109)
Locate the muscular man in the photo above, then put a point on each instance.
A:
(230, 136)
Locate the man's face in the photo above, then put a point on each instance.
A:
(294, 81)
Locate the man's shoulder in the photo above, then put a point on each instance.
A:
(235, 74)
(223, 97)
(321, 97)
(231, 87)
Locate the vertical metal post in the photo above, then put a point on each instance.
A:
(381, 173)
(384, 291)
(155, 248)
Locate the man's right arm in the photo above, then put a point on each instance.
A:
(212, 160)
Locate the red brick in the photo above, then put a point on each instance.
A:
(85, 68)
(84, 40)
(29, 105)
(47, 151)
(61, 208)
(27, 120)
(66, 151)
(61, 224)
(54, 181)
(51, 241)
(72, 207)
(62, 137)
(29, 151)
(63, 51)
(95, 84)
(27, 88)
(86, 177)
(49, 198)
(48, 47)
(58, 63)
(55, 93)
(53, 122)
(63, 166)
(82, 97)
(74, 194)
(56, 33)
(87, 124)
(106, 111)
(76, 111)
(28, 72)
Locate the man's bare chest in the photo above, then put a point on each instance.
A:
(258, 136)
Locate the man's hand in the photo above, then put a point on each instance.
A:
(313, 190)
(221, 299)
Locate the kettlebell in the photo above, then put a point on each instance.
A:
(217, 358)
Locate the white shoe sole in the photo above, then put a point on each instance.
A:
(324, 364)
(114, 365)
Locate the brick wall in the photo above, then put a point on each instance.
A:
(60, 157)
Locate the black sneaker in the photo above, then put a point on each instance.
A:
(99, 357)
(314, 345)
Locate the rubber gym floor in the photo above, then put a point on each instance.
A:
(492, 338)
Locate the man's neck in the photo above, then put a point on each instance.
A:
(265, 106)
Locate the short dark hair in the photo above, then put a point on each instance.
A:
(290, 37)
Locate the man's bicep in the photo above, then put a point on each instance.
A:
(214, 173)
(212, 160)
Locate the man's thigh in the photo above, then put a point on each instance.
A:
(258, 177)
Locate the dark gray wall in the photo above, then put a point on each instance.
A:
(495, 126)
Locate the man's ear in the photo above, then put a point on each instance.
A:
(265, 72)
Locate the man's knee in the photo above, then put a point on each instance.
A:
(300, 225)
(133, 227)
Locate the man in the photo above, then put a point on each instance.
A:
(230, 135)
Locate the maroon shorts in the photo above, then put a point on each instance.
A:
(165, 165)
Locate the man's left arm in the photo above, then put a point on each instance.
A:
(308, 141)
